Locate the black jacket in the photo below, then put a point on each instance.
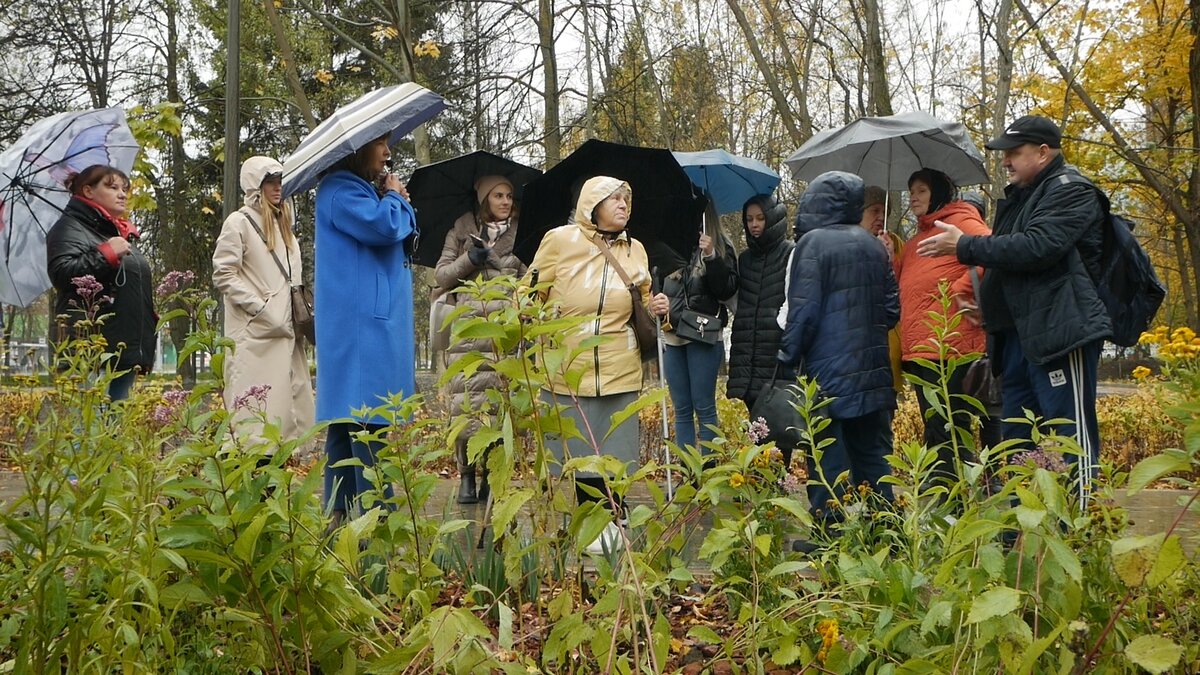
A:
(73, 249)
(1043, 260)
(756, 334)
(705, 292)
(842, 301)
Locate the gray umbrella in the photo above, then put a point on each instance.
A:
(885, 151)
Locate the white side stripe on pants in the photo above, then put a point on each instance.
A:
(1082, 433)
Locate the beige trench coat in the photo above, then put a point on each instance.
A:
(258, 318)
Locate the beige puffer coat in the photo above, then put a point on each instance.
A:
(453, 269)
(258, 317)
(583, 283)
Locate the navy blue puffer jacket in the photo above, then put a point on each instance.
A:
(842, 300)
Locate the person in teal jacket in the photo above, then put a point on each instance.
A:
(365, 231)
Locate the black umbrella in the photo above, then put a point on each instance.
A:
(441, 192)
(667, 213)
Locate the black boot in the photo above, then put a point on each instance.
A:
(466, 486)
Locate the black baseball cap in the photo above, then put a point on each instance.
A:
(1028, 129)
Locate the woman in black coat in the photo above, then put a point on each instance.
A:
(93, 261)
(762, 268)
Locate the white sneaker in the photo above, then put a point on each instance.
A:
(609, 541)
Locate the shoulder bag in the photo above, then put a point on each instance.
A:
(304, 317)
(645, 328)
(776, 405)
(979, 382)
(694, 325)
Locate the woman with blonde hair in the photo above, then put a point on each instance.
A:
(255, 265)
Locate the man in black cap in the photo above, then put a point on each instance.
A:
(1044, 318)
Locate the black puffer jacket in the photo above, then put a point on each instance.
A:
(73, 249)
(705, 292)
(1043, 258)
(842, 300)
(762, 268)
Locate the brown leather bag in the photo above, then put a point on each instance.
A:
(645, 328)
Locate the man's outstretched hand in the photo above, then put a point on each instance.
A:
(943, 243)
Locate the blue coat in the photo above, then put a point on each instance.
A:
(842, 300)
(363, 297)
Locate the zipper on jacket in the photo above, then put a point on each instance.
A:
(599, 317)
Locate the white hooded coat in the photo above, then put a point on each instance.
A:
(258, 316)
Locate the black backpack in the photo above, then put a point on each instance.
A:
(1128, 285)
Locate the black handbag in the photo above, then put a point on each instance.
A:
(697, 326)
(979, 382)
(776, 405)
(692, 325)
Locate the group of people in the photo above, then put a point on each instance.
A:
(839, 299)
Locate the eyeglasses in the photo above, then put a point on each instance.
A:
(274, 176)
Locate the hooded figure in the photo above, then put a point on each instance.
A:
(762, 267)
(582, 282)
(842, 301)
(478, 247)
(255, 264)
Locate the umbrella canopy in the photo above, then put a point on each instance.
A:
(33, 193)
(885, 151)
(395, 111)
(666, 215)
(441, 192)
(728, 180)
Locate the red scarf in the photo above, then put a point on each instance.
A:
(124, 227)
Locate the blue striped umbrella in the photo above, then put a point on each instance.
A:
(729, 180)
(395, 111)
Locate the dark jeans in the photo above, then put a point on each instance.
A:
(860, 445)
(691, 371)
(1063, 388)
(937, 435)
(344, 484)
(120, 386)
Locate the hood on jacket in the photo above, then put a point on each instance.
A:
(776, 228)
(833, 198)
(254, 171)
(594, 191)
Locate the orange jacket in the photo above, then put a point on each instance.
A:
(919, 278)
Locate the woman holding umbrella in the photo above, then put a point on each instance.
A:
(93, 239)
(255, 264)
(694, 346)
(575, 263)
(933, 197)
(364, 228)
(477, 248)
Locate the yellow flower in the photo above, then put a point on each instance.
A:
(828, 630)
(737, 480)
(1140, 372)
(1183, 334)
(1149, 339)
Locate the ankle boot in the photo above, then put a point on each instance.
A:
(466, 486)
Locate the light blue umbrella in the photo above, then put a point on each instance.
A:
(729, 180)
(395, 111)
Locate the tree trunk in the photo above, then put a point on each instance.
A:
(767, 70)
(289, 64)
(879, 100)
(552, 139)
(1004, 76)
(797, 74)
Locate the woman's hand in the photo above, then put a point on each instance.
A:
(392, 182)
(888, 245)
(706, 245)
(120, 246)
(660, 304)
